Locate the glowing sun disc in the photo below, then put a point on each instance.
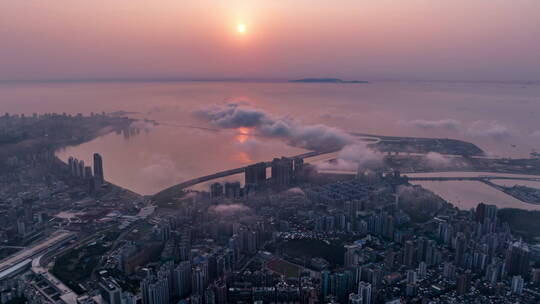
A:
(241, 28)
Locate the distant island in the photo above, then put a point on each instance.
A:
(327, 80)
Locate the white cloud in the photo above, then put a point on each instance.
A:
(311, 137)
(447, 124)
(437, 160)
(229, 208)
(351, 156)
(489, 129)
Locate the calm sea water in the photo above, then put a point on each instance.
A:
(467, 194)
(505, 115)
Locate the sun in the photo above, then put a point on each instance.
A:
(241, 28)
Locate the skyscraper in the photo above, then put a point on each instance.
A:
(221, 292)
(71, 163)
(411, 276)
(216, 190)
(110, 291)
(461, 243)
(232, 190)
(255, 174)
(480, 212)
(182, 279)
(364, 290)
(517, 259)
(98, 168)
(198, 281)
(517, 285)
(87, 172)
(422, 270)
(155, 290)
(282, 171)
(80, 170)
(464, 283)
(409, 254)
(75, 169)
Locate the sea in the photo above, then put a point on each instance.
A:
(501, 118)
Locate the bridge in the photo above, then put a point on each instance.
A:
(178, 188)
(481, 178)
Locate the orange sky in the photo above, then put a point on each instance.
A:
(363, 39)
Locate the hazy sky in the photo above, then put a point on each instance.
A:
(361, 39)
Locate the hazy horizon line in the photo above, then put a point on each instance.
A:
(245, 79)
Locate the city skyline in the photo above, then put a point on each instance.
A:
(269, 152)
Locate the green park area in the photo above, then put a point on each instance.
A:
(77, 264)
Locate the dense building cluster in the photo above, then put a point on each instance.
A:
(286, 235)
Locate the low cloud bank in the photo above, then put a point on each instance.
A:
(447, 124)
(229, 208)
(296, 190)
(478, 129)
(353, 156)
(489, 129)
(311, 137)
(162, 171)
(437, 160)
(142, 125)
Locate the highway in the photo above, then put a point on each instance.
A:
(473, 178)
(32, 251)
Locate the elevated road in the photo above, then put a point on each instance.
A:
(473, 178)
(178, 188)
(32, 251)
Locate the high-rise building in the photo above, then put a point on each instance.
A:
(110, 291)
(232, 190)
(480, 212)
(155, 290)
(88, 172)
(491, 212)
(422, 270)
(364, 290)
(298, 165)
(282, 171)
(351, 255)
(535, 276)
(80, 170)
(198, 281)
(461, 243)
(255, 174)
(409, 254)
(98, 168)
(464, 283)
(182, 279)
(221, 292)
(449, 271)
(411, 289)
(517, 285)
(411, 276)
(209, 296)
(518, 259)
(71, 164)
(325, 284)
(216, 190)
(128, 298)
(389, 223)
(75, 169)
